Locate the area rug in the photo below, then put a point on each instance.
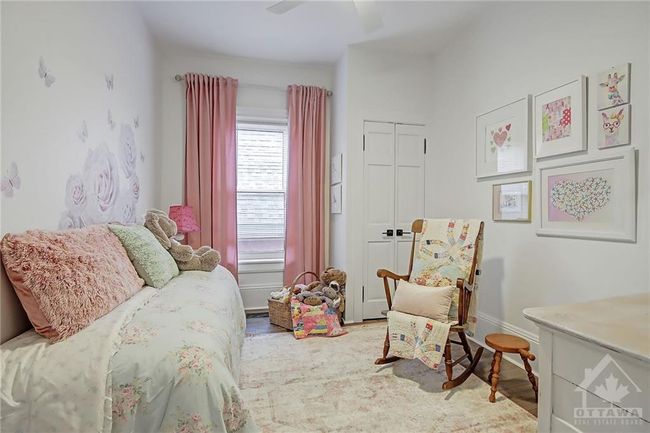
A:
(332, 385)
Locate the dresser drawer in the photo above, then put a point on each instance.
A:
(566, 398)
(589, 366)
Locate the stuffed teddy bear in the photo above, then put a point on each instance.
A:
(328, 290)
(187, 259)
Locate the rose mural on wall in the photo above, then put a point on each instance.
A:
(106, 190)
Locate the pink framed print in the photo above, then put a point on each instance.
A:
(590, 198)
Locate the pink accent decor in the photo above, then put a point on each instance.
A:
(66, 280)
(183, 216)
(304, 248)
(211, 163)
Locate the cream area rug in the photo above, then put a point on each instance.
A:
(332, 385)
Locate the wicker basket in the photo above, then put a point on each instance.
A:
(280, 312)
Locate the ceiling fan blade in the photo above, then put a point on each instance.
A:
(368, 14)
(283, 6)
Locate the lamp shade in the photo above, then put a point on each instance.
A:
(183, 216)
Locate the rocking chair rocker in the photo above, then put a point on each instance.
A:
(465, 287)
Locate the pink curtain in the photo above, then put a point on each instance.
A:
(211, 163)
(305, 221)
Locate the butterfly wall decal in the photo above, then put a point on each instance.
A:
(136, 122)
(45, 73)
(110, 82)
(141, 157)
(83, 132)
(111, 122)
(10, 181)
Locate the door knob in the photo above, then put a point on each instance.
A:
(401, 232)
(388, 232)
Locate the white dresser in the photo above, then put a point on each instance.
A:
(594, 365)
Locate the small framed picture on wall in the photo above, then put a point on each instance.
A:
(560, 119)
(614, 86)
(512, 201)
(336, 206)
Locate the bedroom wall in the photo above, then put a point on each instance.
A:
(505, 56)
(43, 127)
(381, 86)
(259, 279)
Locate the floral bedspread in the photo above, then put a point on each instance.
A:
(177, 369)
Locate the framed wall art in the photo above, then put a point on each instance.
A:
(560, 119)
(336, 206)
(512, 201)
(336, 169)
(590, 198)
(614, 126)
(503, 139)
(614, 86)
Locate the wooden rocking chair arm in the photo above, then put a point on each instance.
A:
(385, 273)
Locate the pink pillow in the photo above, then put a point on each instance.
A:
(320, 320)
(66, 280)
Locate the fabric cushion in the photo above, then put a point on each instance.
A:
(424, 301)
(65, 280)
(150, 259)
(314, 320)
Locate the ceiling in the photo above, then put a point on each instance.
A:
(313, 32)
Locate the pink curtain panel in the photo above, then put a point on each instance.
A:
(305, 221)
(211, 163)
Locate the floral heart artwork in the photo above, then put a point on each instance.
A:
(582, 198)
(500, 137)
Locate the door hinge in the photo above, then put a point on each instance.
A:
(425, 146)
(364, 142)
(363, 293)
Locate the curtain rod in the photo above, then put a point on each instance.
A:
(179, 77)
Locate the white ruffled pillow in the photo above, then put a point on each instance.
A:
(425, 301)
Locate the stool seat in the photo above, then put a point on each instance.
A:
(507, 343)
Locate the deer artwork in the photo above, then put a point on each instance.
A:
(612, 88)
(611, 125)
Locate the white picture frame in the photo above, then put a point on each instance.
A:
(511, 201)
(336, 169)
(608, 182)
(614, 86)
(561, 119)
(503, 139)
(336, 205)
(614, 126)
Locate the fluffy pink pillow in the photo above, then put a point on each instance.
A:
(66, 280)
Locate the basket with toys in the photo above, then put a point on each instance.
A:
(328, 288)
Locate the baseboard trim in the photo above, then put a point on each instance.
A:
(488, 324)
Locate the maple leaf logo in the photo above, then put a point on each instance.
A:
(612, 391)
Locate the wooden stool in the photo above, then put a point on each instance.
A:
(509, 344)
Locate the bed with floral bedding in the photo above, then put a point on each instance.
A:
(166, 360)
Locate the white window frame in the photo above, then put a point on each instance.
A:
(264, 124)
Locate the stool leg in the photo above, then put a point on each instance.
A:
(491, 368)
(531, 376)
(495, 375)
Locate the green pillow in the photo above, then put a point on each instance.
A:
(153, 263)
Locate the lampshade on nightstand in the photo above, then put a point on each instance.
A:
(183, 216)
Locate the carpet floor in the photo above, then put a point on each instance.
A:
(332, 385)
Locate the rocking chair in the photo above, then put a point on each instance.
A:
(465, 288)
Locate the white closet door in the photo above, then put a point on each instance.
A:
(379, 212)
(409, 188)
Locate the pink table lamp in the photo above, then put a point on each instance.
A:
(184, 218)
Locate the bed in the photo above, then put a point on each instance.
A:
(165, 360)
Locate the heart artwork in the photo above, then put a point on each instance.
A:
(500, 137)
(583, 198)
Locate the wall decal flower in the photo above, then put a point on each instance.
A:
(75, 195)
(128, 152)
(101, 178)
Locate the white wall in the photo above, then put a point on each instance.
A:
(513, 50)
(262, 92)
(381, 86)
(80, 43)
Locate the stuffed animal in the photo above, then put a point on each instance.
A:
(328, 290)
(188, 259)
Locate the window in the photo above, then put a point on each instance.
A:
(261, 186)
